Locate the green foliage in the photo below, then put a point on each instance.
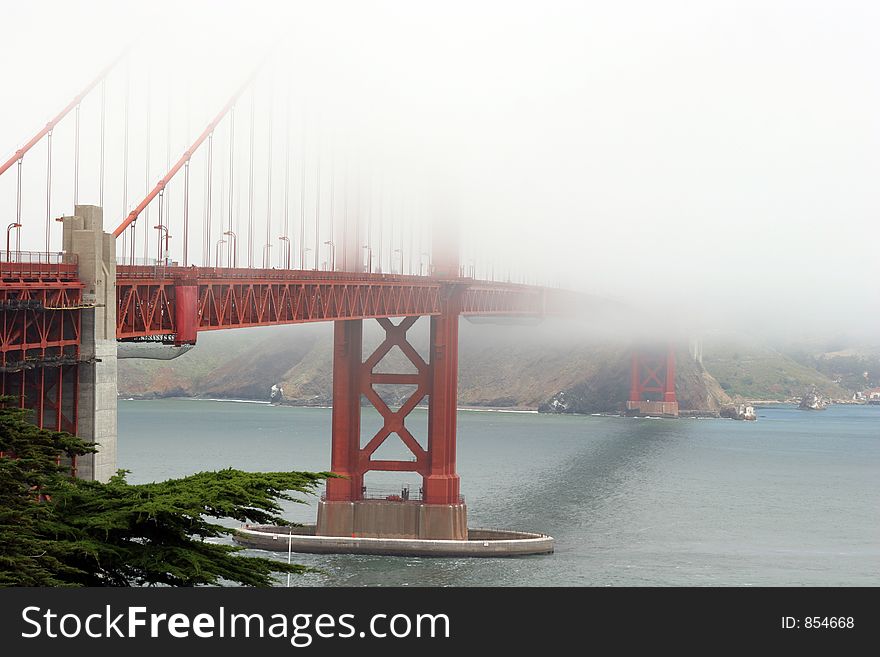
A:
(59, 531)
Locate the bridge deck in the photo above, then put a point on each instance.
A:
(238, 298)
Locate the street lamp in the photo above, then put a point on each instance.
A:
(332, 254)
(369, 258)
(266, 248)
(9, 228)
(286, 239)
(232, 247)
(422, 256)
(167, 237)
(217, 252)
(401, 261)
(305, 256)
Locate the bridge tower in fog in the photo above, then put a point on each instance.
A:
(440, 513)
(62, 314)
(652, 382)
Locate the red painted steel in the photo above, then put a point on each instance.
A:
(40, 306)
(441, 484)
(652, 371)
(147, 298)
(436, 380)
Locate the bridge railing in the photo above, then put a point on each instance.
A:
(38, 264)
(403, 494)
(161, 271)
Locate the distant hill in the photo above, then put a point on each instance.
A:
(502, 366)
(749, 369)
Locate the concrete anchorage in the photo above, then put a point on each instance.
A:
(84, 236)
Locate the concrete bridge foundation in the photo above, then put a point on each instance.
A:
(96, 385)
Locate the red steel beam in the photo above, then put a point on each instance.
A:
(182, 301)
(51, 124)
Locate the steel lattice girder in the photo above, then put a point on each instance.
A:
(147, 302)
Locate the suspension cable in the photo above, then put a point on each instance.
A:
(186, 213)
(302, 196)
(163, 182)
(18, 208)
(267, 248)
(167, 195)
(48, 189)
(331, 264)
(125, 147)
(251, 189)
(54, 121)
(317, 198)
(76, 157)
(208, 193)
(284, 261)
(231, 246)
(103, 121)
(161, 225)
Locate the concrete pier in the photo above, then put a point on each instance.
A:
(652, 408)
(480, 543)
(392, 519)
(97, 390)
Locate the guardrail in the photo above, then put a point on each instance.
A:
(38, 264)
(402, 494)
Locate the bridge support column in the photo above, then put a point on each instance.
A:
(186, 312)
(96, 386)
(348, 509)
(652, 383)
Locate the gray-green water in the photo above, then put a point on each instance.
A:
(793, 499)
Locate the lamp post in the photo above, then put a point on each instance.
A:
(266, 248)
(369, 258)
(305, 256)
(332, 254)
(422, 257)
(401, 262)
(217, 252)
(233, 247)
(286, 240)
(167, 237)
(9, 228)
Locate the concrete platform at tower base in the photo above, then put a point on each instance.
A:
(652, 408)
(480, 543)
(392, 519)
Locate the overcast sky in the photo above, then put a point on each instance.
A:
(720, 155)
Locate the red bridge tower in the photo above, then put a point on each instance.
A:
(652, 383)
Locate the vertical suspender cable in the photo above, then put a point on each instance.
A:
(381, 219)
(161, 198)
(412, 230)
(230, 248)
(330, 264)
(103, 123)
(266, 249)
(146, 170)
(286, 233)
(186, 214)
(302, 196)
(18, 216)
(317, 198)
(345, 249)
(251, 188)
(166, 220)
(48, 189)
(76, 158)
(125, 149)
(209, 194)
